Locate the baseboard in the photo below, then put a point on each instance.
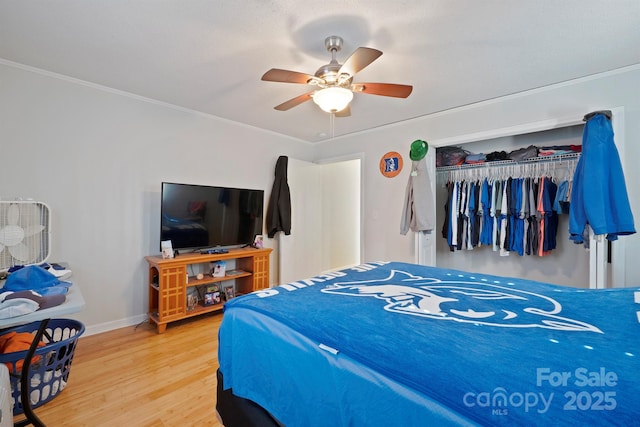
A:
(110, 326)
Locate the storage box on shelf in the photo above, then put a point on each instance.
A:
(169, 280)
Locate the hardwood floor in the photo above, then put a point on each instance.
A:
(136, 377)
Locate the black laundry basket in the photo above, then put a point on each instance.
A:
(50, 365)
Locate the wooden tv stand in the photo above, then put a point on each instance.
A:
(168, 281)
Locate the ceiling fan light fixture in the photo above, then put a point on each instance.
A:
(333, 99)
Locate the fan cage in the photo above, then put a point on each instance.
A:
(34, 247)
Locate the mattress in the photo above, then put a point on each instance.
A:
(400, 344)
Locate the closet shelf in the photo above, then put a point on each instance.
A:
(541, 159)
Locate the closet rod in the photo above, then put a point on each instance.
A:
(539, 159)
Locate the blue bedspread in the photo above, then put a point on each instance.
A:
(495, 350)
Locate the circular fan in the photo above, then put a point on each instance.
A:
(21, 233)
(334, 81)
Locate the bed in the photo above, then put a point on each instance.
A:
(392, 343)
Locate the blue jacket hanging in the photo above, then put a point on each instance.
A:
(599, 196)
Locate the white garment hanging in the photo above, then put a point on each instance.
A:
(418, 213)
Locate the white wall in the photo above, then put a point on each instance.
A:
(383, 197)
(97, 157)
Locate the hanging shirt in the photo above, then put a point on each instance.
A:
(455, 203)
(550, 216)
(599, 195)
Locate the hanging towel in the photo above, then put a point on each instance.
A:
(278, 216)
(599, 194)
(418, 213)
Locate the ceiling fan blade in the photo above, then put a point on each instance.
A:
(286, 76)
(359, 59)
(293, 102)
(383, 89)
(345, 112)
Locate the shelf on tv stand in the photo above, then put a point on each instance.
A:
(168, 281)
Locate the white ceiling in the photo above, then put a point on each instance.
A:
(209, 55)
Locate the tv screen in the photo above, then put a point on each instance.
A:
(200, 216)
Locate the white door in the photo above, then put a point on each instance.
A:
(325, 219)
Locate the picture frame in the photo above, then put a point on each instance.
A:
(192, 300)
(216, 298)
(167, 249)
(211, 298)
(258, 241)
(208, 299)
(229, 293)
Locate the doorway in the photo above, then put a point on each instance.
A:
(326, 219)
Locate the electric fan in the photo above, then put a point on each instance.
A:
(25, 233)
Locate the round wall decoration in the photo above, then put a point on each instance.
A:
(391, 164)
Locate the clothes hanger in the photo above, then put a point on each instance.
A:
(606, 113)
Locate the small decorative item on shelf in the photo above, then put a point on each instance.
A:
(219, 269)
(211, 298)
(229, 293)
(192, 301)
(258, 242)
(167, 249)
(235, 272)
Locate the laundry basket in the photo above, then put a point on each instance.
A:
(50, 365)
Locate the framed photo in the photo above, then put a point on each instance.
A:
(208, 299)
(216, 298)
(192, 299)
(211, 298)
(258, 241)
(167, 249)
(229, 293)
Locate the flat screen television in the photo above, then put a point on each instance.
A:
(200, 216)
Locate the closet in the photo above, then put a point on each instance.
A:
(566, 264)
(514, 207)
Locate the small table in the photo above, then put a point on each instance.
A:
(74, 303)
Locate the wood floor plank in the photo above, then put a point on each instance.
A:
(136, 377)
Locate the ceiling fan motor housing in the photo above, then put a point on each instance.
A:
(330, 72)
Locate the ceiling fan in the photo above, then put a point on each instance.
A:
(334, 81)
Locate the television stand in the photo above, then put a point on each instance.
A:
(169, 280)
